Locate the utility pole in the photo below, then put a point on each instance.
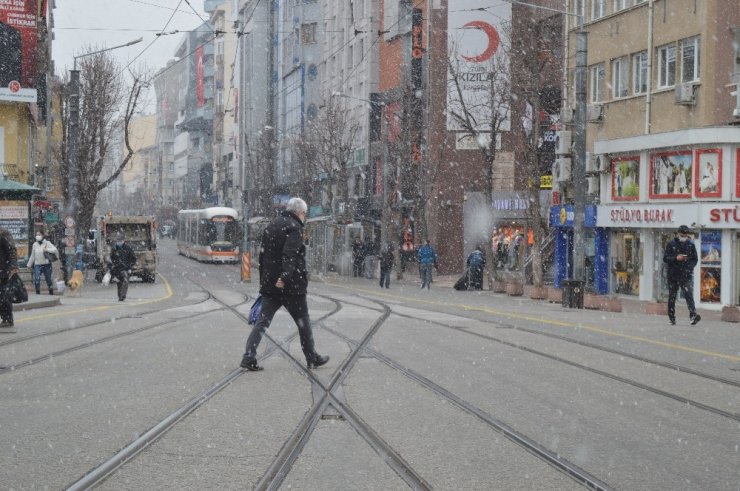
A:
(579, 169)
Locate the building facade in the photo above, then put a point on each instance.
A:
(663, 139)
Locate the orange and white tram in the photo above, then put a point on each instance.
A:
(209, 235)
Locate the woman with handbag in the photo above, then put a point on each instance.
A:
(43, 254)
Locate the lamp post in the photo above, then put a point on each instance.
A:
(70, 207)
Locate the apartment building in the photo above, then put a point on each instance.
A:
(663, 143)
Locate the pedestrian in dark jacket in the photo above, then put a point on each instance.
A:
(476, 263)
(122, 260)
(680, 257)
(358, 257)
(427, 257)
(284, 283)
(8, 267)
(386, 265)
(370, 253)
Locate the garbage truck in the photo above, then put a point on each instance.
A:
(140, 232)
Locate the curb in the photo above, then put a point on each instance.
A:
(19, 307)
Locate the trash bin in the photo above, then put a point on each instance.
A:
(573, 294)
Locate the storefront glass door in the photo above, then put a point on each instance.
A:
(660, 282)
(626, 263)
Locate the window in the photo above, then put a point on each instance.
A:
(308, 33)
(639, 73)
(690, 60)
(620, 77)
(598, 9)
(667, 65)
(596, 82)
(579, 8)
(620, 5)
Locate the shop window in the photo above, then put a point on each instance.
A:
(509, 244)
(626, 263)
(710, 253)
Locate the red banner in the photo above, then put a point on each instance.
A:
(19, 40)
(200, 70)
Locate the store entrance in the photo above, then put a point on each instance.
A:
(660, 281)
(626, 263)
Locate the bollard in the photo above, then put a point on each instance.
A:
(246, 266)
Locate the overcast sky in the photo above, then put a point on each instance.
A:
(79, 24)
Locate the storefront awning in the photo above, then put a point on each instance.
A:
(14, 190)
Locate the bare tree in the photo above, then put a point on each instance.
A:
(107, 105)
(536, 67)
(260, 171)
(330, 140)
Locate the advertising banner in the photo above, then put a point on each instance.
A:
(476, 31)
(18, 48)
(200, 70)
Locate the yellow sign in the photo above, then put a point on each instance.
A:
(545, 182)
(563, 216)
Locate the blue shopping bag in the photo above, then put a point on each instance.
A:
(254, 311)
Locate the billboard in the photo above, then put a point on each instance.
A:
(477, 33)
(199, 76)
(18, 47)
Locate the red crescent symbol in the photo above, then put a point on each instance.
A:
(493, 40)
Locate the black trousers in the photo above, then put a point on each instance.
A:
(385, 277)
(297, 307)
(122, 277)
(686, 288)
(6, 306)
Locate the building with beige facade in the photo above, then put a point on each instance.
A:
(663, 143)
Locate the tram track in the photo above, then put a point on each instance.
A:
(634, 383)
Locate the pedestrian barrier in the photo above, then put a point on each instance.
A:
(246, 266)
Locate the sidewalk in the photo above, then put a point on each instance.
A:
(629, 305)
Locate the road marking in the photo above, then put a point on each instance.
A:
(512, 315)
(167, 296)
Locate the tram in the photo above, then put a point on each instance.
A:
(209, 235)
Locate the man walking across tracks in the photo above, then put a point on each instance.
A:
(8, 267)
(681, 258)
(284, 283)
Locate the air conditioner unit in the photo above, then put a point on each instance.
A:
(736, 94)
(566, 115)
(685, 94)
(562, 142)
(561, 170)
(593, 113)
(593, 185)
(595, 162)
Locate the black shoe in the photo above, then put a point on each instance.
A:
(672, 321)
(6, 324)
(51, 292)
(38, 292)
(316, 361)
(695, 320)
(250, 365)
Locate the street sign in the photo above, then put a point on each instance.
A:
(69, 221)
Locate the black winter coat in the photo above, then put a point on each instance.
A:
(386, 260)
(122, 258)
(680, 271)
(8, 254)
(283, 255)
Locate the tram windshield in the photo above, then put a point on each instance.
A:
(222, 230)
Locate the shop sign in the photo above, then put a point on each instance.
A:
(564, 216)
(545, 182)
(718, 216)
(653, 216)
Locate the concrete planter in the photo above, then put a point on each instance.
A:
(554, 295)
(656, 308)
(499, 286)
(538, 292)
(602, 302)
(514, 289)
(731, 313)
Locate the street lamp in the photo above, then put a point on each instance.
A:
(70, 206)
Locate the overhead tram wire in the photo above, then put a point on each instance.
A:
(161, 6)
(239, 35)
(174, 11)
(201, 18)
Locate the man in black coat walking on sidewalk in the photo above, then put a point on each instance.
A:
(284, 283)
(680, 257)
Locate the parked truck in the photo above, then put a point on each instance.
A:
(140, 232)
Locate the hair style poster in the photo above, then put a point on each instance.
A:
(710, 284)
(737, 174)
(671, 174)
(626, 178)
(708, 173)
